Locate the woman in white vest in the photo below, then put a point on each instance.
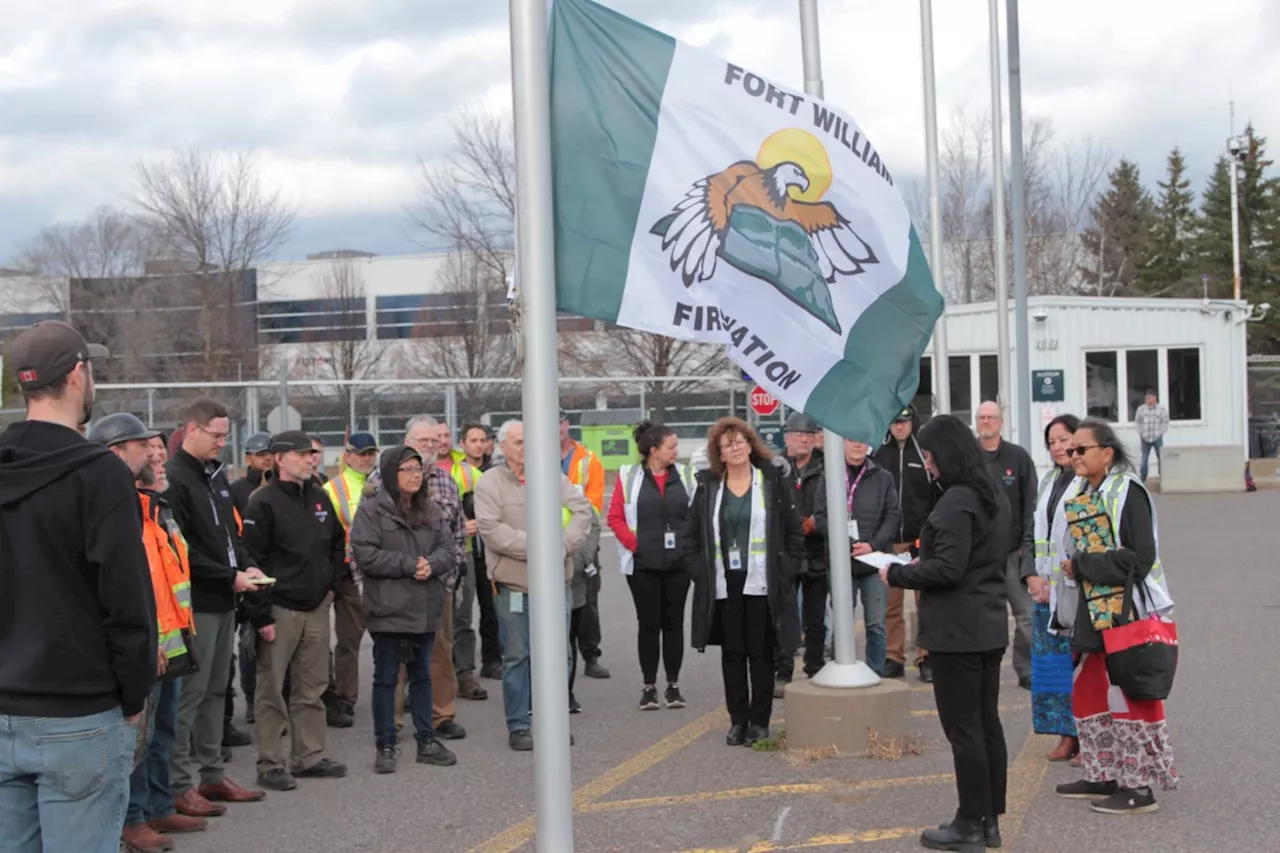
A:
(745, 542)
(1052, 663)
(1124, 743)
(647, 515)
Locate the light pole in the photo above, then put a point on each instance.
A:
(1238, 147)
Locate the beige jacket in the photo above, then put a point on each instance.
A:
(500, 515)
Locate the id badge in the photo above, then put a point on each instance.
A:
(735, 560)
(517, 602)
(853, 530)
(669, 540)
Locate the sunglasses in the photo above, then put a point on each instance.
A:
(1082, 449)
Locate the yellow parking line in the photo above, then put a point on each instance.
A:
(843, 839)
(523, 832)
(797, 789)
(1025, 775)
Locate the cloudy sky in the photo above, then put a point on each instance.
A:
(339, 98)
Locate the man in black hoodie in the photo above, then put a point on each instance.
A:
(201, 502)
(292, 531)
(917, 492)
(803, 436)
(77, 612)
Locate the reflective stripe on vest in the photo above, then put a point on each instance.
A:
(463, 477)
(1046, 487)
(171, 644)
(345, 515)
(1115, 492)
(182, 592)
(565, 517)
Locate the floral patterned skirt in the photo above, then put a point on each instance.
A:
(1051, 674)
(1121, 740)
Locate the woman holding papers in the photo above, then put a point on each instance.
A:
(1051, 660)
(961, 578)
(744, 542)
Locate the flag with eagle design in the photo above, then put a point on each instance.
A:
(698, 200)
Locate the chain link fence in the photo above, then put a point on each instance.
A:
(382, 407)
(1264, 410)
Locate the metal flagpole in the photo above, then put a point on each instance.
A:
(530, 83)
(941, 357)
(846, 670)
(997, 205)
(1021, 343)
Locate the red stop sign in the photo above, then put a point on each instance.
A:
(762, 402)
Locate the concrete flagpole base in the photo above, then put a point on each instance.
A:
(856, 674)
(844, 717)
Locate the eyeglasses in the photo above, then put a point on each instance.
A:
(216, 436)
(411, 470)
(1082, 449)
(732, 445)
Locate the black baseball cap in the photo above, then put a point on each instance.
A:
(362, 442)
(48, 351)
(907, 414)
(291, 440)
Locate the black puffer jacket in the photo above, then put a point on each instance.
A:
(808, 483)
(387, 549)
(961, 573)
(875, 508)
(784, 545)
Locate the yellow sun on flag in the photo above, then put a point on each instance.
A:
(791, 144)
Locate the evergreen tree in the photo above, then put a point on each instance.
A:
(1115, 244)
(1259, 222)
(1167, 266)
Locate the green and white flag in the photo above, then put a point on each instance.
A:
(698, 200)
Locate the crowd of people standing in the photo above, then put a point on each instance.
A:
(163, 573)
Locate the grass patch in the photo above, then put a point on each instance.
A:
(771, 744)
(893, 748)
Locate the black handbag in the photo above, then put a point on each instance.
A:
(1142, 654)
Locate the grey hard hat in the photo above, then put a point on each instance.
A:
(259, 442)
(119, 427)
(800, 422)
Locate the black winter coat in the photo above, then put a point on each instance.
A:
(875, 508)
(784, 545)
(917, 491)
(808, 483)
(201, 501)
(387, 550)
(293, 534)
(1114, 567)
(961, 574)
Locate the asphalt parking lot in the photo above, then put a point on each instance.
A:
(664, 782)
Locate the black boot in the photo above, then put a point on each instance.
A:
(961, 836)
(991, 832)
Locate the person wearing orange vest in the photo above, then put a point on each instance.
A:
(585, 470)
(359, 458)
(150, 794)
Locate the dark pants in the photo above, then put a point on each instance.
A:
(746, 653)
(575, 629)
(659, 598)
(386, 672)
(150, 793)
(814, 587)
(589, 631)
(966, 688)
(490, 647)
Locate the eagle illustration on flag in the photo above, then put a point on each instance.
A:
(757, 215)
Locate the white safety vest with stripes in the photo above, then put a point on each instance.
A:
(630, 479)
(1047, 538)
(757, 582)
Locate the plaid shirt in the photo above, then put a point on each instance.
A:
(1152, 422)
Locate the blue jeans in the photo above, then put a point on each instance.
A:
(1147, 447)
(873, 594)
(386, 672)
(64, 782)
(513, 634)
(150, 792)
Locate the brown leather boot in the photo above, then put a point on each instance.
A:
(1067, 748)
(192, 804)
(178, 823)
(144, 839)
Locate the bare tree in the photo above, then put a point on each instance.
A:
(215, 218)
(966, 194)
(106, 244)
(465, 333)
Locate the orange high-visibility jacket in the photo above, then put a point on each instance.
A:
(170, 576)
(586, 471)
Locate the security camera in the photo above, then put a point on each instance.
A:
(1040, 315)
(1238, 146)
